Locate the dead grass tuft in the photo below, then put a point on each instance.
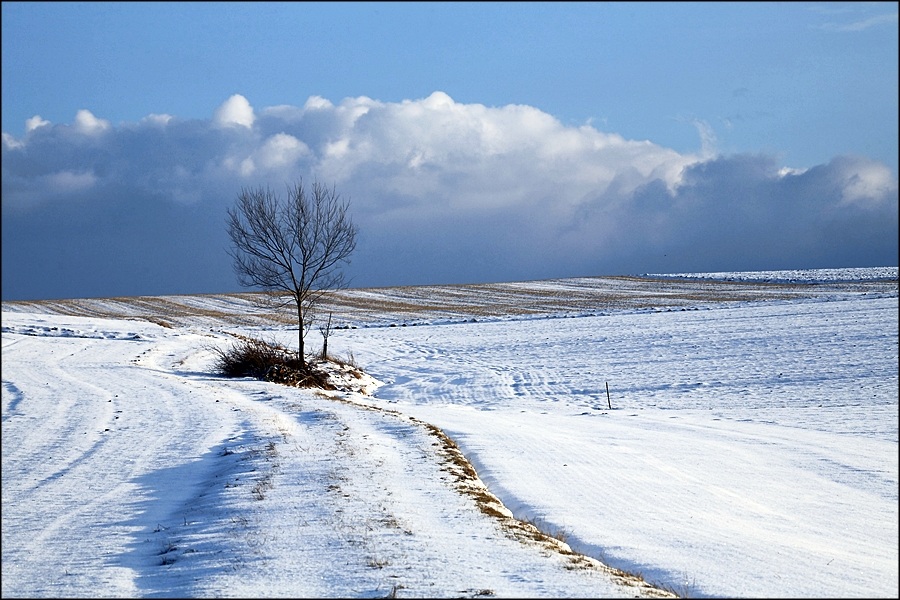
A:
(268, 361)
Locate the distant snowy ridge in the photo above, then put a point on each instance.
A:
(411, 305)
(793, 276)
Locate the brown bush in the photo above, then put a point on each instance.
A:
(268, 361)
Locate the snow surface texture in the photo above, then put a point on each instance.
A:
(748, 445)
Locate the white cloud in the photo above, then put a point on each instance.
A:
(866, 182)
(317, 103)
(10, 141)
(247, 167)
(281, 150)
(337, 149)
(87, 123)
(508, 150)
(785, 171)
(708, 140)
(156, 119)
(277, 154)
(234, 111)
(444, 189)
(35, 122)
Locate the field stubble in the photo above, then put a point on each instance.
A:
(401, 305)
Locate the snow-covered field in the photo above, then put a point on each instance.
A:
(747, 446)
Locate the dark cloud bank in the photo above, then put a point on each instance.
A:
(442, 193)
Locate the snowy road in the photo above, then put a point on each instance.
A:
(129, 471)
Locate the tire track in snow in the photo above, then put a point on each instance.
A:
(391, 494)
(464, 479)
(11, 399)
(65, 471)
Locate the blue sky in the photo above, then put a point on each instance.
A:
(476, 141)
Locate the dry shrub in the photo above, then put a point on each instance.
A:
(268, 361)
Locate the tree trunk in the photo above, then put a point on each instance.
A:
(326, 331)
(301, 355)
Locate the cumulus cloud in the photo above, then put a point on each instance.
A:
(234, 111)
(156, 119)
(35, 122)
(865, 182)
(277, 153)
(87, 123)
(10, 141)
(442, 191)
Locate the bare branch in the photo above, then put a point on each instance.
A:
(296, 245)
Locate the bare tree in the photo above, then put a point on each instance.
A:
(325, 330)
(295, 245)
